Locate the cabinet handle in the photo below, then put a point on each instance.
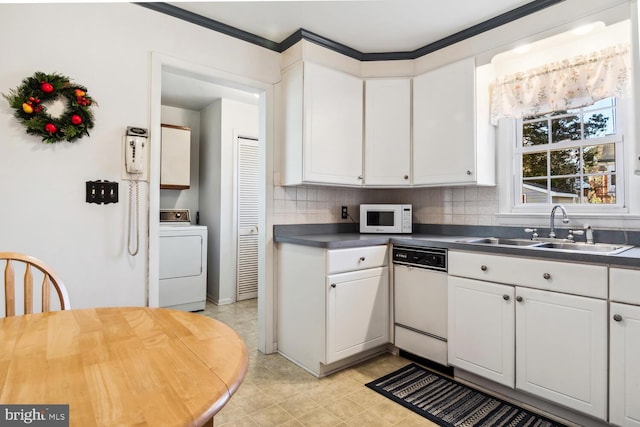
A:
(519, 299)
(361, 259)
(333, 285)
(505, 297)
(617, 317)
(483, 268)
(546, 276)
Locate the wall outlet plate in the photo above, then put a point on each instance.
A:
(345, 212)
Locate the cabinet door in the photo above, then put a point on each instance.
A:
(175, 157)
(333, 112)
(624, 401)
(387, 145)
(561, 349)
(357, 312)
(481, 328)
(444, 138)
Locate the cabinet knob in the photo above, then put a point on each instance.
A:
(505, 297)
(483, 267)
(519, 299)
(547, 276)
(362, 259)
(468, 172)
(333, 285)
(617, 317)
(360, 177)
(406, 177)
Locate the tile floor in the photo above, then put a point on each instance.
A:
(276, 392)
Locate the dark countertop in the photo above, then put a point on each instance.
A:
(343, 240)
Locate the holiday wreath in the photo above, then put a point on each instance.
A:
(30, 102)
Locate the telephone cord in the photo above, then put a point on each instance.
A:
(133, 253)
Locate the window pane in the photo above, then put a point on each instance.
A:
(565, 162)
(534, 164)
(535, 133)
(603, 103)
(600, 189)
(565, 190)
(565, 128)
(598, 124)
(599, 158)
(534, 191)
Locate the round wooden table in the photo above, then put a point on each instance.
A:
(122, 366)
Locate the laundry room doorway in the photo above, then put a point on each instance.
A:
(216, 204)
(247, 216)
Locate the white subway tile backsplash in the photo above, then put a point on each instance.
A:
(445, 205)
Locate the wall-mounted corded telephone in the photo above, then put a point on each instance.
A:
(135, 162)
(135, 150)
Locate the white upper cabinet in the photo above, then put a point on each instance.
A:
(175, 157)
(387, 136)
(450, 144)
(323, 114)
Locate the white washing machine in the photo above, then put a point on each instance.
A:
(183, 262)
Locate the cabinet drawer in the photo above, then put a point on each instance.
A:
(340, 260)
(579, 279)
(624, 285)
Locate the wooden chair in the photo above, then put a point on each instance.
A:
(50, 278)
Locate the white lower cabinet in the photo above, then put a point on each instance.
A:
(357, 312)
(481, 328)
(549, 344)
(624, 350)
(561, 349)
(333, 305)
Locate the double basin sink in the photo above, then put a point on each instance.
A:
(559, 245)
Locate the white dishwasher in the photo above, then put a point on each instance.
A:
(420, 301)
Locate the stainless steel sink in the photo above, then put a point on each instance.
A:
(598, 248)
(503, 241)
(560, 246)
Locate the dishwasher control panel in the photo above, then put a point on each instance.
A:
(431, 258)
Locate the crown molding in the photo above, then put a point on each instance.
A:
(303, 34)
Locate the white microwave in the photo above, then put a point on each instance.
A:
(385, 218)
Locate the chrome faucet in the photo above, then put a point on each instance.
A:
(565, 219)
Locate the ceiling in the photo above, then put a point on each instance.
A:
(368, 26)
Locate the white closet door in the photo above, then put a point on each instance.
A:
(247, 191)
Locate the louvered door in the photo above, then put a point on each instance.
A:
(247, 209)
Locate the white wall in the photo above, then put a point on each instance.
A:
(42, 207)
(222, 121)
(184, 199)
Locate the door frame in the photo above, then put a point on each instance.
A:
(265, 91)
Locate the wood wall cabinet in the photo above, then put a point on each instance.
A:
(451, 146)
(521, 334)
(333, 305)
(624, 351)
(387, 135)
(175, 157)
(322, 114)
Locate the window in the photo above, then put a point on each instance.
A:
(571, 157)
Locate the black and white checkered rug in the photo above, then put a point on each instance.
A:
(451, 404)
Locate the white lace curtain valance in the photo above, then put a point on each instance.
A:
(563, 85)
